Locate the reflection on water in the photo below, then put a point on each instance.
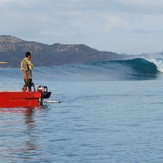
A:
(18, 133)
(30, 142)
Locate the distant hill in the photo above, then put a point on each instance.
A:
(12, 50)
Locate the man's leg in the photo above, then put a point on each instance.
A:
(29, 83)
(25, 86)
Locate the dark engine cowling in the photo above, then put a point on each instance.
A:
(44, 90)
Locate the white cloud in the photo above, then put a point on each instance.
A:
(4, 1)
(144, 3)
(85, 21)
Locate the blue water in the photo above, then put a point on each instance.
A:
(110, 112)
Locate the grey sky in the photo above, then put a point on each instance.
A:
(122, 26)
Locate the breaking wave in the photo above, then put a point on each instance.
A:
(131, 69)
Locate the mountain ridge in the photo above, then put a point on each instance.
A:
(12, 50)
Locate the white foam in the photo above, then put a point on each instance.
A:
(158, 62)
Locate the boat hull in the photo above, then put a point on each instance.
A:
(19, 99)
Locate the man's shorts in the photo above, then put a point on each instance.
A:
(28, 83)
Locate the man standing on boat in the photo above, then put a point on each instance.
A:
(26, 67)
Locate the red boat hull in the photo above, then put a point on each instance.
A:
(19, 99)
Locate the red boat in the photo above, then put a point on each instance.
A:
(24, 99)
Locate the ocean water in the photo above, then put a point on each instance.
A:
(109, 112)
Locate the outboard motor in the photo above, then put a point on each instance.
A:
(45, 93)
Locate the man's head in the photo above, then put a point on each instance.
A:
(28, 55)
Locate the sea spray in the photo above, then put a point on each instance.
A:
(158, 62)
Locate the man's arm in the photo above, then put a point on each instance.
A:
(25, 74)
(25, 70)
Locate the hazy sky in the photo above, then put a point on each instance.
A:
(122, 26)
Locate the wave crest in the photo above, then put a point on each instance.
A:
(131, 69)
